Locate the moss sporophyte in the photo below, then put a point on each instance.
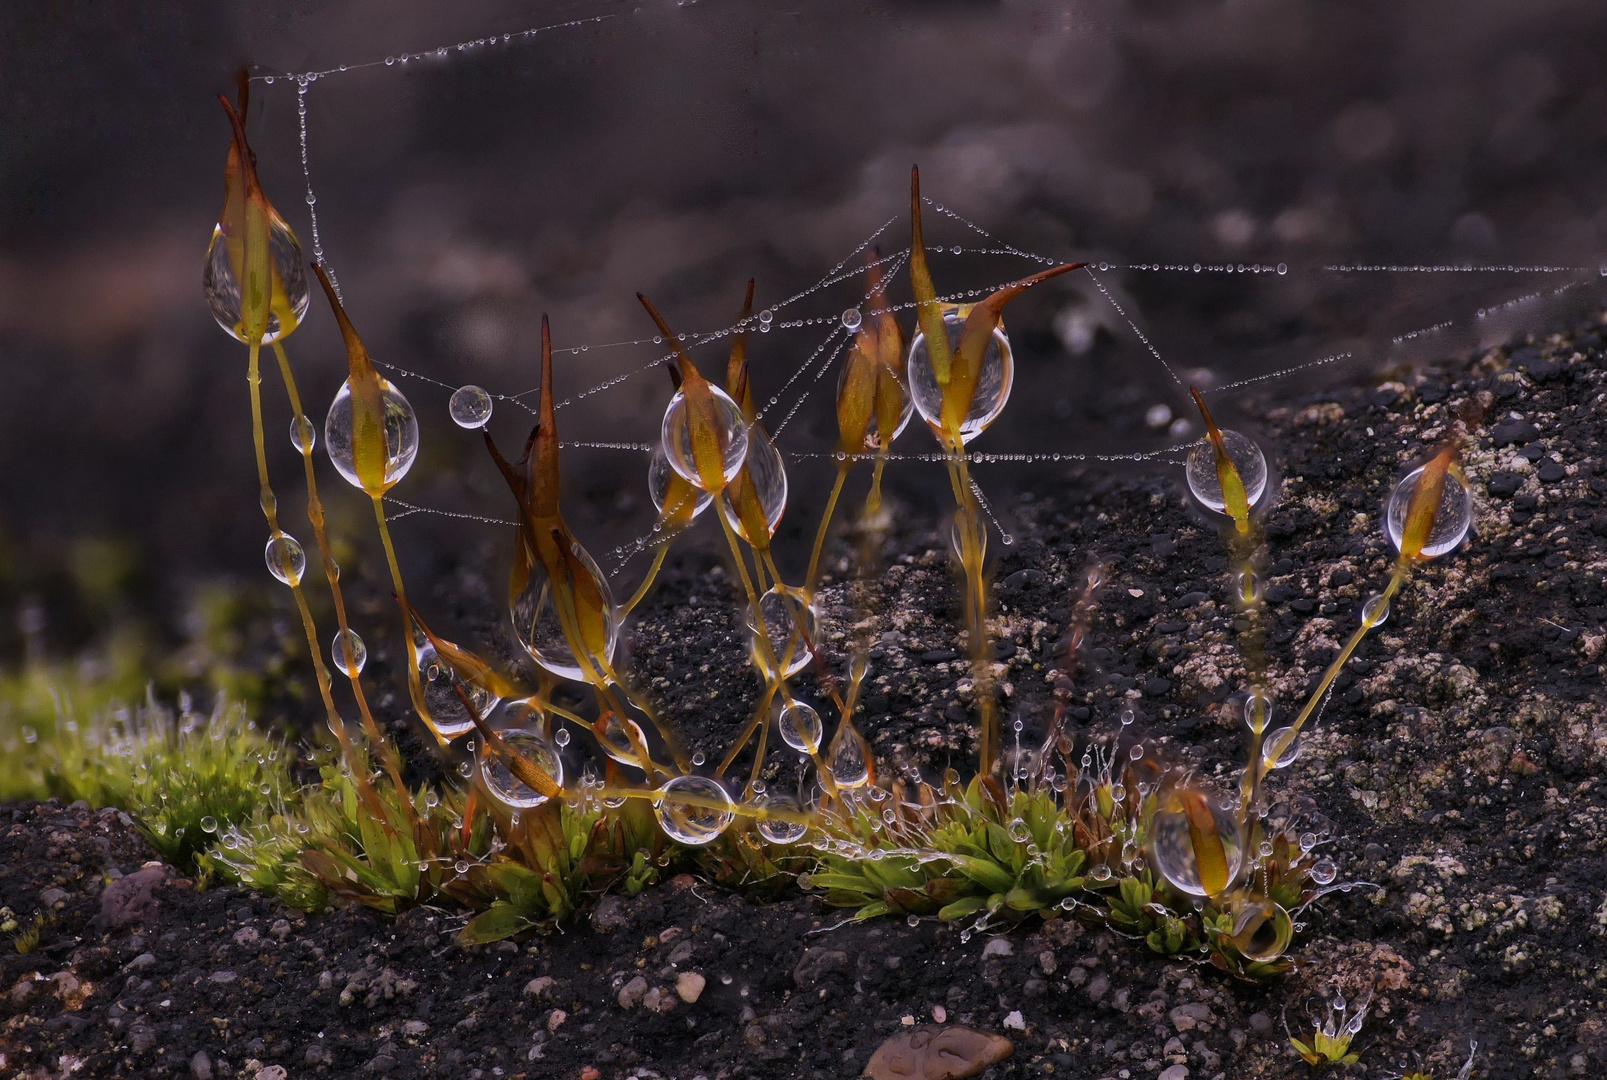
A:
(563, 801)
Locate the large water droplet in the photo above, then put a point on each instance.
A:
(441, 698)
(617, 740)
(1280, 749)
(676, 435)
(767, 475)
(348, 652)
(222, 287)
(800, 727)
(286, 559)
(693, 810)
(848, 759)
(509, 789)
(537, 626)
(1100, 872)
(470, 407)
(668, 488)
(401, 434)
(1246, 457)
(776, 830)
(992, 386)
(209, 824)
(1376, 610)
(1450, 525)
(791, 623)
(1323, 871)
(1172, 844)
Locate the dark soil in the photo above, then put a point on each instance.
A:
(1459, 762)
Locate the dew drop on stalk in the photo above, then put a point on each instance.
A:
(441, 698)
(617, 740)
(849, 759)
(1308, 840)
(1323, 871)
(507, 788)
(401, 434)
(992, 386)
(1018, 831)
(303, 435)
(470, 407)
(1376, 610)
(665, 485)
(348, 652)
(286, 559)
(461, 867)
(776, 830)
(1172, 844)
(693, 810)
(800, 727)
(222, 289)
(676, 435)
(1246, 457)
(537, 626)
(1101, 872)
(768, 475)
(791, 623)
(1450, 524)
(209, 824)
(1280, 748)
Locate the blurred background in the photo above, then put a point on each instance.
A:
(678, 149)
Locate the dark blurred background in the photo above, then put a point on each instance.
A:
(680, 148)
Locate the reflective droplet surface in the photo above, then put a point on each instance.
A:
(800, 727)
(348, 652)
(286, 559)
(303, 435)
(1450, 526)
(617, 740)
(209, 824)
(1174, 852)
(1018, 831)
(470, 407)
(539, 630)
(992, 386)
(401, 434)
(776, 830)
(851, 319)
(693, 810)
(1280, 749)
(1100, 872)
(849, 758)
(676, 435)
(1323, 871)
(767, 475)
(791, 624)
(668, 489)
(1376, 610)
(222, 288)
(508, 789)
(1246, 457)
(441, 684)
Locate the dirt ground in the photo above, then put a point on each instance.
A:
(1458, 762)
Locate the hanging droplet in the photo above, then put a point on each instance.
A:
(851, 319)
(1280, 749)
(849, 758)
(665, 484)
(286, 559)
(1376, 610)
(992, 386)
(766, 316)
(617, 740)
(765, 470)
(777, 830)
(693, 810)
(348, 652)
(1323, 871)
(791, 623)
(1018, 831)
(209, 824)
(1246, 457)
(560, 737)
(536, 623)
(1450, 525)
(1195, 844)
(676, 435)
(800, 727)
(470, 407)
(441, 684)
(303, 435)
(1100, 872)
(401, 434)
(509, 789)
(223, 290)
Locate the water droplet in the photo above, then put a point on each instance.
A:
(667, 488)
(777, 830)
(286, 559)
(401, 434)
(792, 624)
(849, 758)
(209, 824)
(1100, 872)
(507, 788)
(470, 407)
(956, 249)
(992, 385)
(676, 434)
(1127, 718)
(223, 290)
(539, 630)
(767, 475)
(348, 652)
(1196, 268)
(1283, 268)
(1323, 871)
(1376, 610)
(560, 737)
(441, 683)
(965, 936)
(1308, 840)
(303, 435)
(1450, 525)
(698, 759)
(851, 319)
(617, 740)
(1176, 829)
(461, 867)
(1280, 749)
(1246, 457)
(693, 810)
(1018, 831)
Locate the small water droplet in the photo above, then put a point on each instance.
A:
(470, 407)
(851, 319)
(348, 652)
(1323, 871)
(209, 824)
(561, 737)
